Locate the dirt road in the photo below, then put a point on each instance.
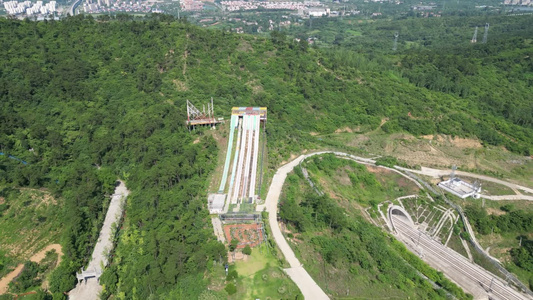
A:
(4, 282)
(436, 173)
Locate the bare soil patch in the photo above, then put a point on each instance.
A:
(244, 46)
(466, 143)
(180, 85)
(377, 170)
(342, 177)
(246, 234)
(293, 156)
(494, 211)
(4, 282)
(345, 129)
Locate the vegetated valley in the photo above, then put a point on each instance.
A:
(95, 101)
(347, 254)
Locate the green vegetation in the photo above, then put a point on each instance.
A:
(258, 276)
(28, 222)
(513, 228)
(333, 238)
(511, 221)
(247, 250)
(351, 181)
(387, 161)
(85, 102)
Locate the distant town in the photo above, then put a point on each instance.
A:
(29, 8)
(205, 11)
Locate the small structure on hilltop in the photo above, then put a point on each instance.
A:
(215, 203)
(204, 117)
(460, 188)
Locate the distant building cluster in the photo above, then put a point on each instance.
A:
(100, 6)
(29, 8)
(251, 5)
(192, 5)
(518, 2)
(424, 7)
(317, 11)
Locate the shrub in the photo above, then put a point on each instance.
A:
(230, 289)
(247, 250)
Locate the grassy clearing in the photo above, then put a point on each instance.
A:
(28, 222)
(439, 151)
(352, 181)
(491, 188)
(484, 262)
(259, 277)
(456, 244)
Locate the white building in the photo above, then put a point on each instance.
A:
(29, 8)
(318, 11)
(215, 203)
(460, 188)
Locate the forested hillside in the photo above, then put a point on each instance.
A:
(97, 100)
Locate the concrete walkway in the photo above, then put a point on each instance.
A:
(296, 272)
(507, 197)
(90, 289)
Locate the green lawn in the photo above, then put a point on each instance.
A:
(259, 277)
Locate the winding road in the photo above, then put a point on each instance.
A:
(296, 272)
(436, 173)
(482, 282)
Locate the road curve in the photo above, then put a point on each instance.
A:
(296, 272)
(436, 173)
(72, 9)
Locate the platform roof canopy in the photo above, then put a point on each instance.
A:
(241, 111)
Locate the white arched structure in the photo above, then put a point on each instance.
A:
(399, 211)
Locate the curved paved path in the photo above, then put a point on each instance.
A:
(296, 272)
